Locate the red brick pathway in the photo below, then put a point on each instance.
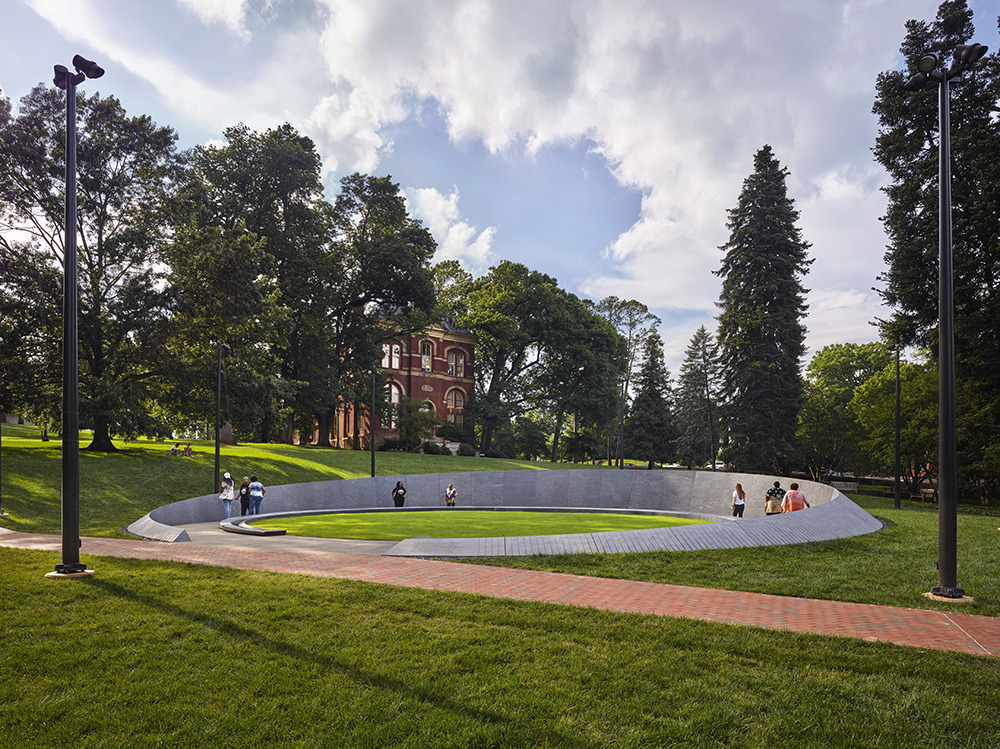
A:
(939, 630)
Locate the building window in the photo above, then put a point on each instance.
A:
(456, 363)
(426, 354)
(395, 393)
(455, 401)
(391, 356)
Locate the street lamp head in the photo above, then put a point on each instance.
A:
(969, 54)
(928, 62)
(63, 78)
(88, 67)
(917, 82)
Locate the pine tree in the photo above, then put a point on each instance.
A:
(761, 334)
(907, 146)
(649, 429)
(698, 401)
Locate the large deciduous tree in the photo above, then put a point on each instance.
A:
(126, 169)
(761, 333)
(907, 146)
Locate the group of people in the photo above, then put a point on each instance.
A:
(399, 495)
(186, 452)
(250, 493)
(776, 500)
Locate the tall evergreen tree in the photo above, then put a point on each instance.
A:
(649, 429)
(761, 334)
(907, 146)
(698, 395)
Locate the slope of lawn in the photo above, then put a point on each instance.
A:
(393, 526)
(116, 489)
(894, 566)
(160, 654)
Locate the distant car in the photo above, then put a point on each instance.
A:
(716, 466)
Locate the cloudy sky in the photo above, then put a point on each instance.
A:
(598, 141)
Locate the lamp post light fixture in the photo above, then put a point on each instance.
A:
(930, 71)
(68, 81)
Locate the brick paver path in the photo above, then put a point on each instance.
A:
(941, 630)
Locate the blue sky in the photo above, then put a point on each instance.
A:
(598, 141)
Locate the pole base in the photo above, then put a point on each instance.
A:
(69, 575)
(948, 595)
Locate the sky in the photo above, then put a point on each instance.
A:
(598, 141)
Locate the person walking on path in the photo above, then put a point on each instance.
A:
(257, 491)
(739, 501)
(399, 494)
(245, 496)
(794, 500)
(227, 494)
(450, 494)
(772, 501)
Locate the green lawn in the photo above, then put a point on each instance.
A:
(150, 654)
(396, 526)
(118, 489)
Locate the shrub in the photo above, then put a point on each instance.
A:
(493, 454)
(431, 448)
(467, 450)
(392, 445)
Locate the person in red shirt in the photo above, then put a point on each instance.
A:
(794, 499)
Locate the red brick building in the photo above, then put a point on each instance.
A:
(436, 366)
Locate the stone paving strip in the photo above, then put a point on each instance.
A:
(937, 630)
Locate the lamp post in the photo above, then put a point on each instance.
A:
(218, 413)
(371, 426)
(898, 467)
(71, 564)
(930, 71)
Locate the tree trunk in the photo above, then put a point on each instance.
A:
(102, 437)
(323, 433)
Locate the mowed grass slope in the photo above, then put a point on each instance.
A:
(160, 654)
(119, 488)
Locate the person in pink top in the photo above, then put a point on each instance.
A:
(794, 499)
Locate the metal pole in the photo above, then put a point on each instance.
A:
(947, 438)
(371, 426)
(71, 365)
(218, 415)
(895, 486)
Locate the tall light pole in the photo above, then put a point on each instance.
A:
(897, 465)
(371, 425)
(930, 71)
(71, 564)
(218, 412)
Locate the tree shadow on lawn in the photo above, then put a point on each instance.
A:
(528, 734)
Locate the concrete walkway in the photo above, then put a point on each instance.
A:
(939, 630)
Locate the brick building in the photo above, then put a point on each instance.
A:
(436, 366)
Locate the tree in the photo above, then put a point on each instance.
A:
(761, 334)
(649, 429)
(634, 322)
(874, 404)
(907, 147)
(698, 401)
(829, 437)
(127, 167)
(416, 421)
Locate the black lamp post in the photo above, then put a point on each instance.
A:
(371, 426)
(218, 412)
(897, 465)
(71, 564)
(931, 72)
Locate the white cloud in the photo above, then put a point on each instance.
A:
(457, 240)
(230, 13)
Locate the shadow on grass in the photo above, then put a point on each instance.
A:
(530, 735)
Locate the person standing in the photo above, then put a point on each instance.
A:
(257, 492)
(245, 496)
(450, 495)
(228, 494)
(398, 494)
(794, 500)
(739, 501)
(772, 502)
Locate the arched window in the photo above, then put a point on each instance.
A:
(455, 401)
